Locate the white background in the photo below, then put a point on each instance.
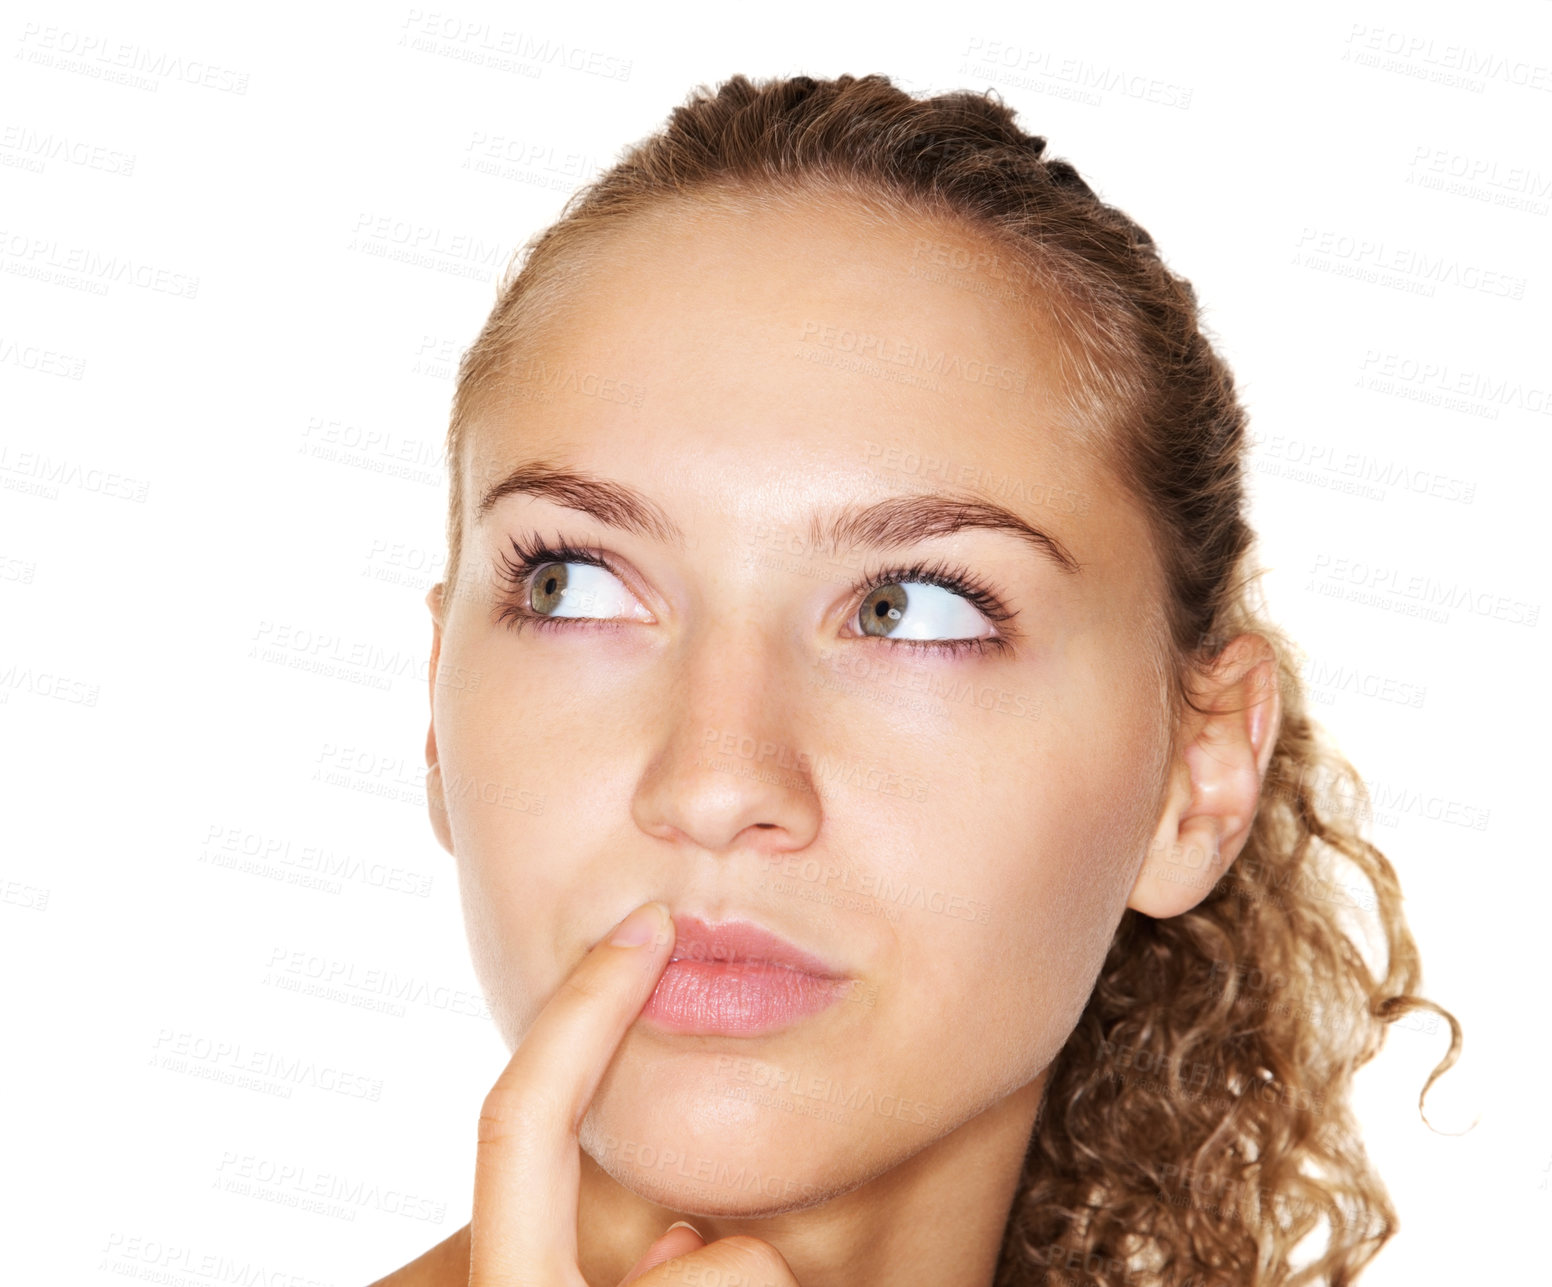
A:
(163, 512)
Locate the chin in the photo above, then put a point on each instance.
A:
(715, 1150)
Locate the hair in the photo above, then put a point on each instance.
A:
(1196, 1127)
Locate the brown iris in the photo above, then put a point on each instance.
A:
(549, 588)
(882, 609)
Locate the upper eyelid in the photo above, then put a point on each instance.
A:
(559, 550)
(972, 588)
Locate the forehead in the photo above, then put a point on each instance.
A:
(919, 303)
(788, 357)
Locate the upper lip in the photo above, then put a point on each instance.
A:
(695, 940)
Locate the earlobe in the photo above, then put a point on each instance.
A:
(436, 804)
(1215, 780)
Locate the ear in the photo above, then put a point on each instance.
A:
(1215, 779)
(436, 804)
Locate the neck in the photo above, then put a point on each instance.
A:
(937, 1217)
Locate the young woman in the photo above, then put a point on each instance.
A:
(888, 834)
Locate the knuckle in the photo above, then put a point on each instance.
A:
(513, 1112)
(581, 988)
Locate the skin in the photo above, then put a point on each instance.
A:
(1040, 830)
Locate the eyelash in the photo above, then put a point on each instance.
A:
(531, 555)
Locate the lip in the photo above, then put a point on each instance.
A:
(742, 942)
(738, 979)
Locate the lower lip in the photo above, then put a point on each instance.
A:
(736, 999)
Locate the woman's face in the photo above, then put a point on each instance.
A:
(730, 722)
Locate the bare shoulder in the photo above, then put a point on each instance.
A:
(445, 1265)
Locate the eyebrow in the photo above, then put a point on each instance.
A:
(889, 523)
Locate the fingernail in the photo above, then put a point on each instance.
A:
(641, 927)
(684, 1224)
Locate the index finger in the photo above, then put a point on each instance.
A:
(527, 1171)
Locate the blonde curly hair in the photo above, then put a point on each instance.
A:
(1195, 1128)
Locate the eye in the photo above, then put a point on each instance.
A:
(938, 606)
(917, 610)
(550, 584)
(569, 589)
(932, 606)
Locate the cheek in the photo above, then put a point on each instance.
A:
(517, 805)
(1051, 823)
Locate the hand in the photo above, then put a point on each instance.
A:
(527, 1172)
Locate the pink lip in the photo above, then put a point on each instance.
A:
(741, 941)
(736, 979)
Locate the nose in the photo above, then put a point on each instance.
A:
(729, 770)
